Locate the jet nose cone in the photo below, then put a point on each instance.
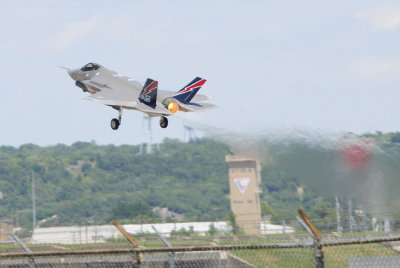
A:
(74, 74)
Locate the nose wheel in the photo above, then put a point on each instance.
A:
(116, 122)
(163, 122)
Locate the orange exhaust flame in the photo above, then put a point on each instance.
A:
(173, 107)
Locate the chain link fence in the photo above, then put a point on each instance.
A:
(279, 251)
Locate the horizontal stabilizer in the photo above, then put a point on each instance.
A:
(197, 107)
(158, 110)
(200, 98)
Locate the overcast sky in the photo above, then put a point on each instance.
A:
(270, 65)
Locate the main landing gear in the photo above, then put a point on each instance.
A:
(163, 122)
(116, 122)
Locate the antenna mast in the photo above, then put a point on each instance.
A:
(339, 228)
(148, 133)
(33, 203)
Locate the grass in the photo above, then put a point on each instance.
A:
(334, 256)
(292, 257)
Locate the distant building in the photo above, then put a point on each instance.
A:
(244, 181)
(267, 228)
(6, 230)
(100, 233)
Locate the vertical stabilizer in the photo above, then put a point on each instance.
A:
(187, 93)
(148, 95)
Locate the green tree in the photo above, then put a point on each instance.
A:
(212, 230)
(267, 210)
(132, 210)
(234, 227)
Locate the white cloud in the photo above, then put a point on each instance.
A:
(382, 18)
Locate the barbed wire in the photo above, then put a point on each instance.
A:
(305, 244)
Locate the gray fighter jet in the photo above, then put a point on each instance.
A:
(120, 92)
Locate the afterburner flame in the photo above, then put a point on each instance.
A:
(173, 107)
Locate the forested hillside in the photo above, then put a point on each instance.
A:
(86, 181)
(93, 183)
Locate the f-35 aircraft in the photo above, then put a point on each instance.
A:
(120, 92)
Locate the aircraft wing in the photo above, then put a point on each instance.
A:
(115, 98)
(106, 80)
(115, 90)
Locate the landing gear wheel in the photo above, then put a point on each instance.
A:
(115, 124)
(163, 122)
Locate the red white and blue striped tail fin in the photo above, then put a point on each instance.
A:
(148, 95)
(186, 94)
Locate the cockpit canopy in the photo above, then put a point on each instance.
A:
(90, 67)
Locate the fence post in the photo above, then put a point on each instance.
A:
(171, 255)
(316, 235)
(319, 254)
(138, 258)
(26, 249)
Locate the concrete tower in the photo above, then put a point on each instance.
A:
(244, 181)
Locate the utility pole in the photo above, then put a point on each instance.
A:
(33, 203)
(217, 211)
(148, 133)
(87, 238)
(350, 217)
(339, 228)
(189, 133)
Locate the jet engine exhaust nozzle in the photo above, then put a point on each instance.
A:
(173, 107)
